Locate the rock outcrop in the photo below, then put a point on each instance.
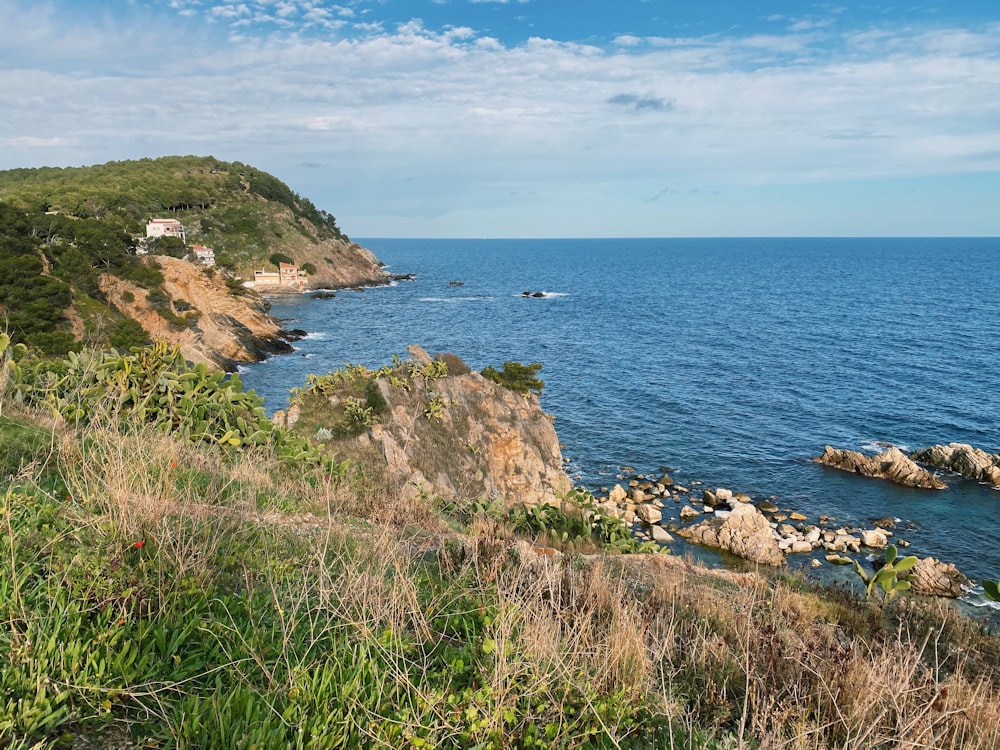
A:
(892, 464)
(745, 532)
(479, 440)
(222, 330)
(931, 577)
(963, 459)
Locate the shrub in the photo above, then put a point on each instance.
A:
(127, 333)
(276, 258)
(516, 376)
(453, 362)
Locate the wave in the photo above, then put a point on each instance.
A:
(880, 446)
(477, 298)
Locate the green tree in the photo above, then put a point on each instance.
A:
(516, 376)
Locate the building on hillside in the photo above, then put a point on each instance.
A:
(264, 278)
(286, 276)
(165, 228)
(205, 255)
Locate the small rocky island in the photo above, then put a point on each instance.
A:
(961, 458)
(892, 464)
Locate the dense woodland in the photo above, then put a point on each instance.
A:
(60, 229)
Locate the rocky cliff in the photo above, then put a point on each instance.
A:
(338, 262)
(202, 318)
(458, 437)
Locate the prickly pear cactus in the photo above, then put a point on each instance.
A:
(892, 578)
(155, 387)
(992, 590)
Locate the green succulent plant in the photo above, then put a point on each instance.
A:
(892, 578)
(992, 590)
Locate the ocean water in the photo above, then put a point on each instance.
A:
(731, 361)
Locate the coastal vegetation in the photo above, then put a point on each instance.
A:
(176, 573)
(69, 235)
(179, 570)
(517, 376)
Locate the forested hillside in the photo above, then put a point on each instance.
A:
(66, 233)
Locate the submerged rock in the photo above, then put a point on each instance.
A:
(963, 459)
(892, 464)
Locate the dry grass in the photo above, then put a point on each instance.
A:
(652, 653)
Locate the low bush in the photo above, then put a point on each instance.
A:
(516, 376)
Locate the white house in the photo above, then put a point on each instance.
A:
(205, 255)
(165, 228)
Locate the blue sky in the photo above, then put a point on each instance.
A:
(536, 118)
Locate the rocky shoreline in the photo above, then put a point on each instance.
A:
(761, 532)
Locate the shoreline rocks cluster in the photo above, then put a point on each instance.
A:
(757, 531)
(963, 459)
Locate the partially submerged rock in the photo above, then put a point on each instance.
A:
(963, 459)
(892, 464)
(931, 577)
(746, 533)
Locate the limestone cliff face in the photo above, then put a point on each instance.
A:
(224, 330)
(489, 442)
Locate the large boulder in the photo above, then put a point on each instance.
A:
(892, 464)
(931, 577)
(745, 532)
(963, 459)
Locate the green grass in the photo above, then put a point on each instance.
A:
(162, 592)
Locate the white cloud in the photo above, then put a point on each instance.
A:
(627, 40)
(31, 141)
(468, 117)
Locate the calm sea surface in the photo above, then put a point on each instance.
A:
(732, 361)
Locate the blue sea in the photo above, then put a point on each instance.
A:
(730, 361)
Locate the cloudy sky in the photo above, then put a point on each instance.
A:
(536, 118)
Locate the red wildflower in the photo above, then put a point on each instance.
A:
(121, 622)
(173, 464)
(138, 545)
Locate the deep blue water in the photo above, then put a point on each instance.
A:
(732, 361)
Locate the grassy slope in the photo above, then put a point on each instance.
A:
(179, 594)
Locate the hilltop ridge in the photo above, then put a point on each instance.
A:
(79, 265)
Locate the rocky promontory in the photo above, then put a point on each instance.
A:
(199, 315)
(459, 436)
(892, 465)
(963, 459)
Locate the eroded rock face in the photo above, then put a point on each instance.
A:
(892, 464)
(963, 459)
(931, 577)
(489, 442)
(228, 330)
(745, 532)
